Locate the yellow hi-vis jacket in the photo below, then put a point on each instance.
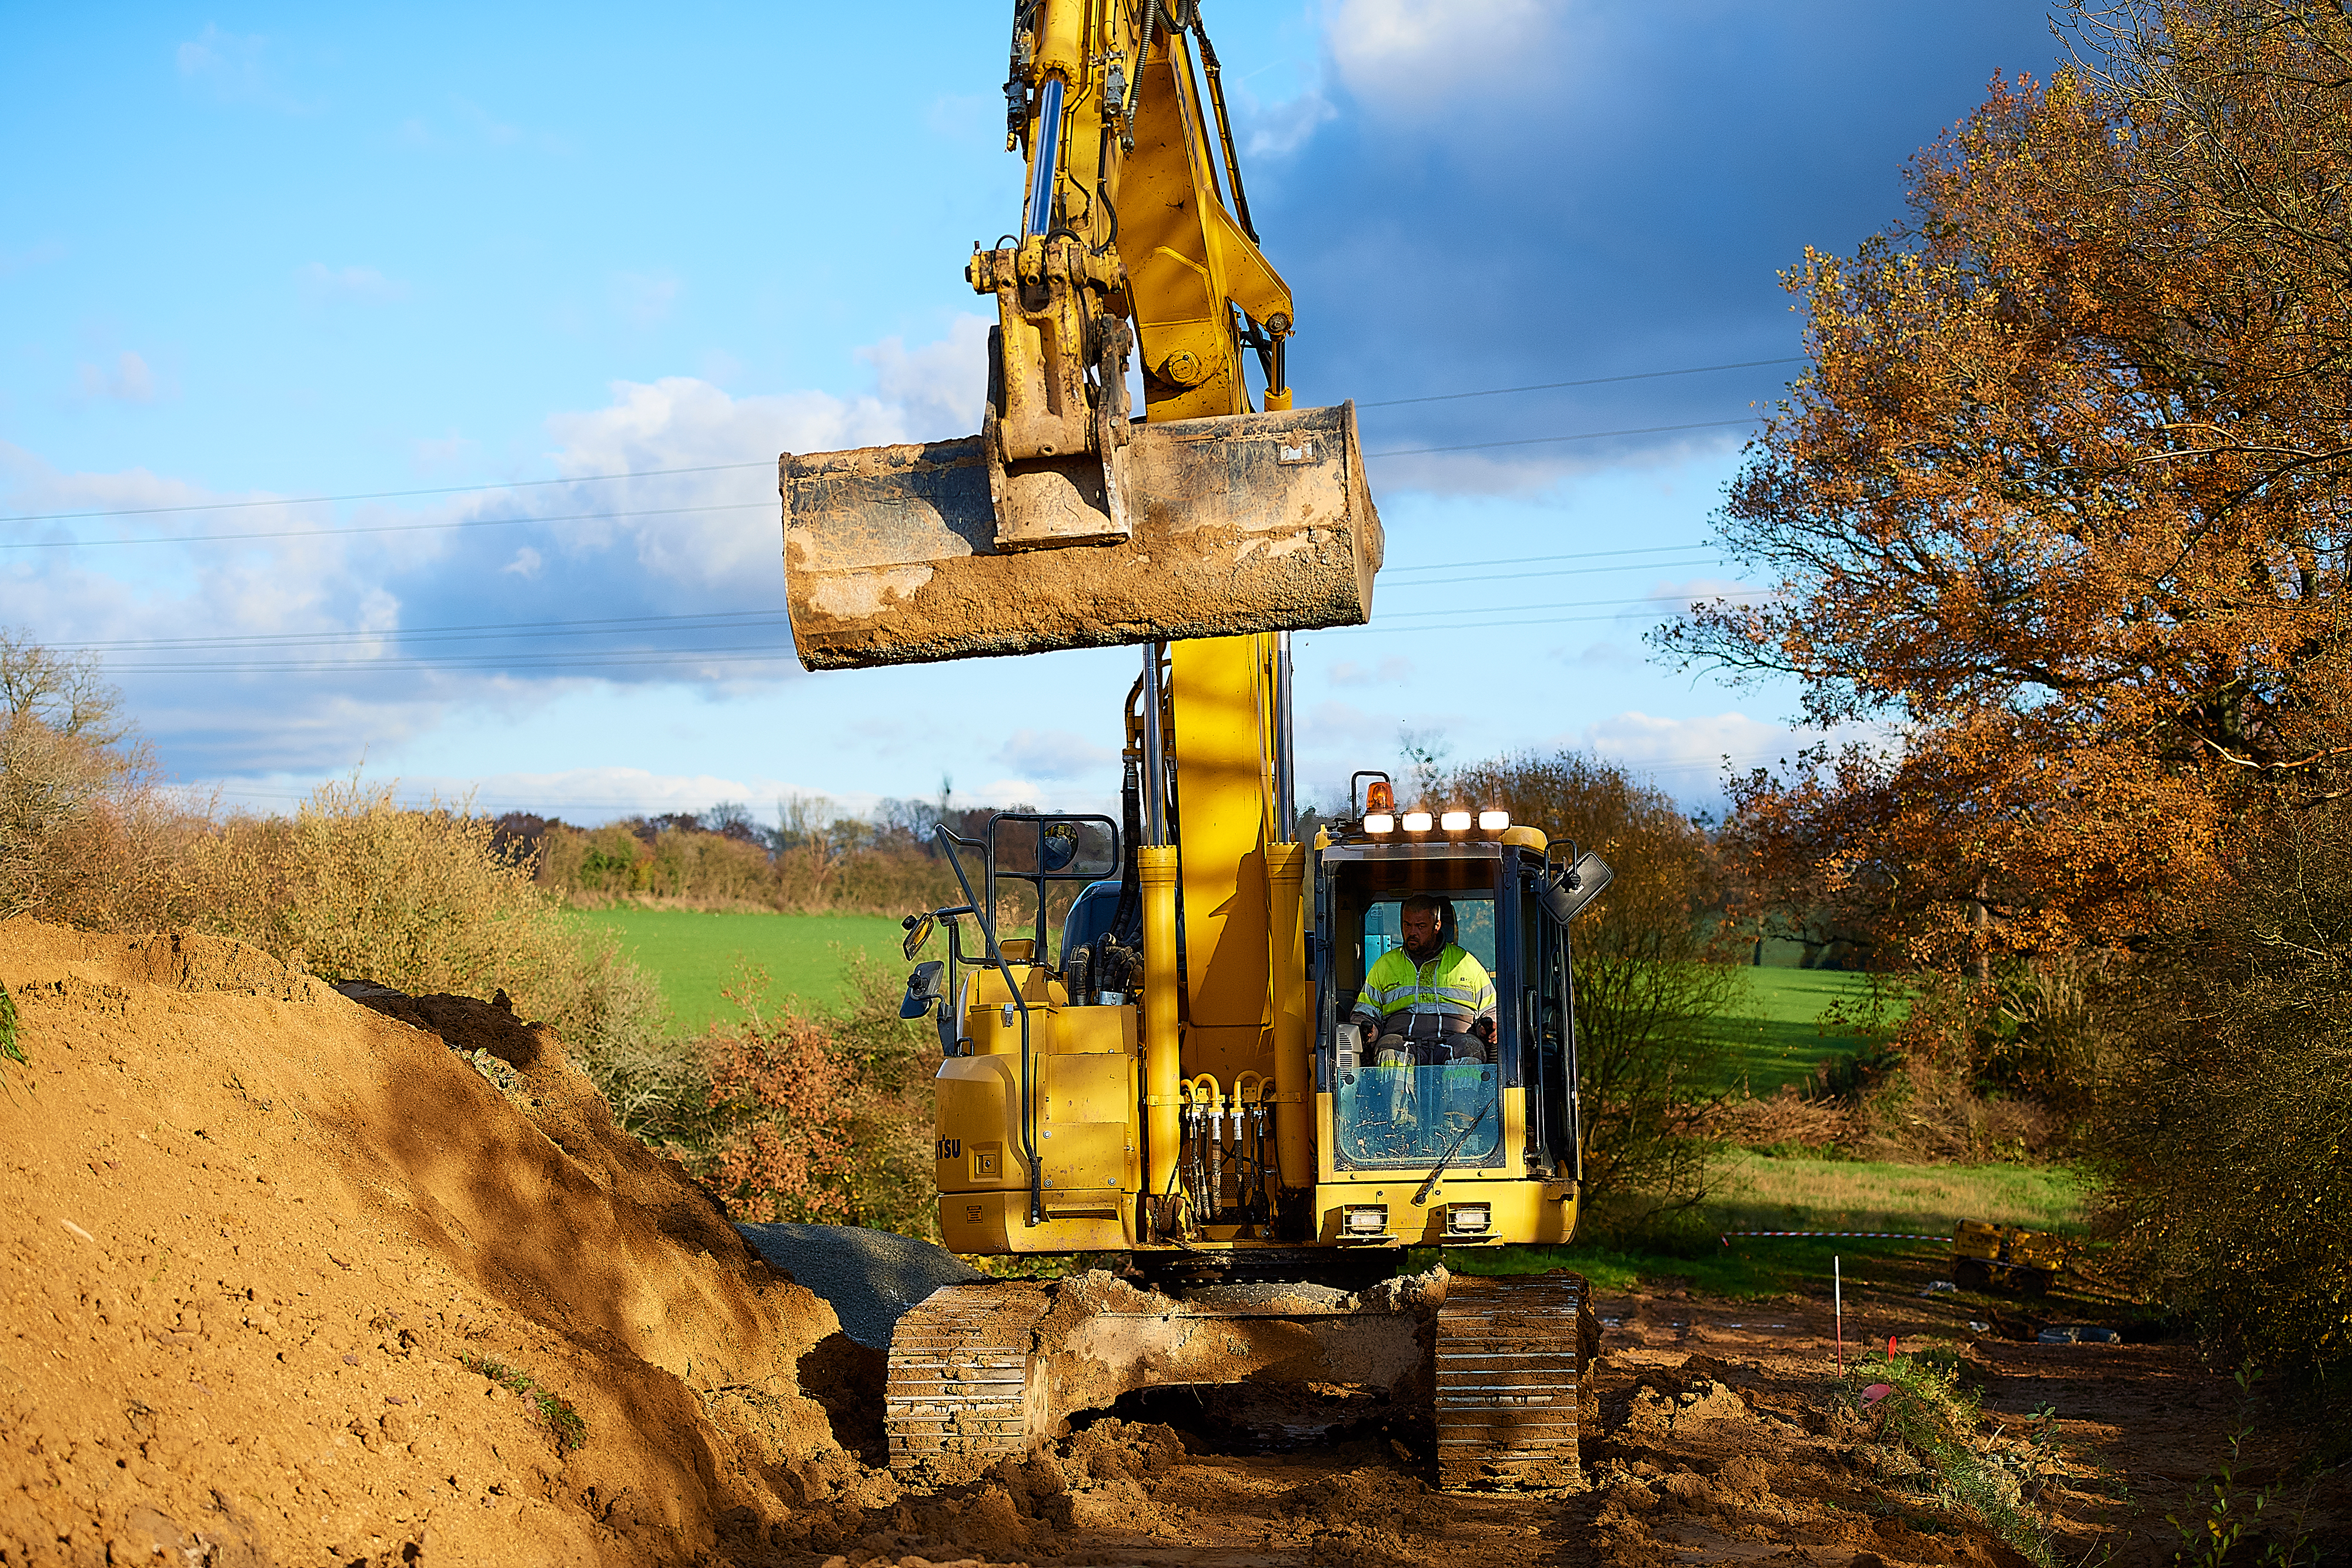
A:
(1453, 985)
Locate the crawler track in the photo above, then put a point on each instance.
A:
(958, 1391)
(1511, 1352)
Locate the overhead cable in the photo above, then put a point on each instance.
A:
(770, 464)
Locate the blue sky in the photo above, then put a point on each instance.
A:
(458, 261)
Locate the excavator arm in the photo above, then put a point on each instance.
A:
(1068, 522)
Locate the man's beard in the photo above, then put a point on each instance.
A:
(1423, 953)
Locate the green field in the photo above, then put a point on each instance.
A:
(693, 953)
(1760, 1193)
(1776, 1036)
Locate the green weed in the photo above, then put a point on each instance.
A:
(2212, 1534)
(1928, 1444)
(9, 1049)
(563, 1423)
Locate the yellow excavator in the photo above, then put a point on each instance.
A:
(1162, 1068)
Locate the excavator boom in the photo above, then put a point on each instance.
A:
(1065, 522)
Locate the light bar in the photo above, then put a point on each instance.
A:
(1493, 821)
(1456, 822)
(1416, 821)
(1366, 1219)
(1378, 823)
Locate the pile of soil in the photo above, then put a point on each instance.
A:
(263, 1242)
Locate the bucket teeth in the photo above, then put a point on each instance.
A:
(1240, 524)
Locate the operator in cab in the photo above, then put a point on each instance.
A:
(1427, 1002)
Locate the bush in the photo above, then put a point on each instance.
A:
(825, 1117)
(2223, 1132)
(355, 886)
(1649, 978)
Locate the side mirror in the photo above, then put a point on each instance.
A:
(923, 989)
(1059, 846)
(1567, 894)
(919, 930)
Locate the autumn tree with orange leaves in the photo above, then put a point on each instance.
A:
(2062, 501)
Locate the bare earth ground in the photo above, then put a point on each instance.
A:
(259, 1240)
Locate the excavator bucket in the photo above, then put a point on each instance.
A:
(1244, 523)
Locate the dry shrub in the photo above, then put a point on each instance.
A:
(784, 1090)
(1974, 1070)
(86, 837)
(1791, 1120)
(825, 1116)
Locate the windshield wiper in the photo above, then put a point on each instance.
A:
(1430, 1181)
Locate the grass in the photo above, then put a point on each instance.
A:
(1777, 1038)
(1762, 1193)
(563, 1423)
(693, 953)
(1928, 1445)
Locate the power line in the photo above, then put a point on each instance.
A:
(766, 652)
(713, 619)
(556, 663)
(383, 527)
(1578, 604)
(1587, 382)
(661, 511)
(1563, 571)
(1544, 440)
(1531, 559)
(383, 495)
(769, 463)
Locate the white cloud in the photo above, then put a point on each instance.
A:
(1278, 130)
(585, 796)
(320, 284)
(1416, 58)
(330, 582)
(1389, 672)
(1687, 757)
(129, 380)
(1053, 754)
(941, 385)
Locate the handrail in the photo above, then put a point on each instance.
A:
(947, 839)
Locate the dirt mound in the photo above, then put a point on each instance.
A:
(291, 1280)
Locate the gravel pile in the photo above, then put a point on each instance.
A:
(869, 1277)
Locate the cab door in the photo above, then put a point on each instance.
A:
(1548, 1011)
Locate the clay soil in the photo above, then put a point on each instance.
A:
(287, 1277)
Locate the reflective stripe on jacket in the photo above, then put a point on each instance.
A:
(1453, 984)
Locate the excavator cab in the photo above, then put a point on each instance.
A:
(1505, 1112)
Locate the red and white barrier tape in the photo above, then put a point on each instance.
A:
(1875, 1235)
